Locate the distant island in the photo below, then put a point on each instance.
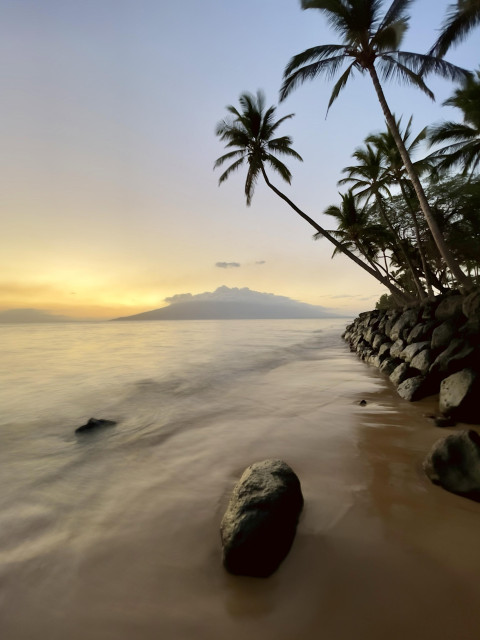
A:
(233, 304)
(30, 316)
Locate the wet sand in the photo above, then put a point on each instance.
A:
(131, 547)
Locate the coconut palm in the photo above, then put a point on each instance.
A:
(358, 232)
(370, 44)
(464, 138)
(385, 143)
(250, 133)
(370, 178)
(462, 17)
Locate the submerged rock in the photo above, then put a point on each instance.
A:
(95, 423)
(260, 522)
(454, 463)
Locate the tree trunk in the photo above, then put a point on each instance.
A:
(399, 295)
(419, 240)
(463, 281)
(393, 231)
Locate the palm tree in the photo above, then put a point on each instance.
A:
(370, 178)
(250, 134)
(370, 43)
(385, 143)
(462, 16)
(464, 138)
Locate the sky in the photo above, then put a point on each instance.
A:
(109, 202)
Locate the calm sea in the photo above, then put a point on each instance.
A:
(114, 535)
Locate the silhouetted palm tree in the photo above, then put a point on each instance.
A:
(250, 132)
(462, 17)
(464, 138)
(371, 178)
(386, 145)
(370, 44)
(356, 231)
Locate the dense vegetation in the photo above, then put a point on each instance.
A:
(412, 223)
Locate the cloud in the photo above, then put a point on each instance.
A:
(227, 265)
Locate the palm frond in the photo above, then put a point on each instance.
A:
(425, 64)
(228, 156)
(390, 37)
(308, 72)
(314, 54)
(339, 85)
(278, 166)
(451, 131)
(396, 12)
(390, 66)
(460, 20)
(233, 167)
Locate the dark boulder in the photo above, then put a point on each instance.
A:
(422, 361)
(442, 335)
(471, 304)
(95, 423)
(259, 524)
(454, 463)
(414, 388)
(450, 308)
(459, 395)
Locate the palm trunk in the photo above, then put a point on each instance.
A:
(399, 295)
(419, 240)
(393, 231)
(463, 281)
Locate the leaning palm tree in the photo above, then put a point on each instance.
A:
(371, 45)
(464, 138)
(250, 133)
(462, 16)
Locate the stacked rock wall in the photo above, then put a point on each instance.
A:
(427, 349)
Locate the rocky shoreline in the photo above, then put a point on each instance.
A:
(428, 349)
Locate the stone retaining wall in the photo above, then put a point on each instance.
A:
(425, 350)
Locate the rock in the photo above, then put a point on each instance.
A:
(384, 350)
(412, 350)
(455, 357)
(400, 374)
(471, 304)
(444, 421)
(392, 318)
(442, 335)
(388, 366)
(406, 321)
(378, 340)
(259, 524)
(397, 348)
(450, 308)
(456, 393)
(428, 310)
(95, 423)
(454, 463)
(421, 331)
(414, 388)
(422, 361)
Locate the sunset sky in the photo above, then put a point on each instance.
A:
(109, 201)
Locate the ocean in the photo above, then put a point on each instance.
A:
(114, 534)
